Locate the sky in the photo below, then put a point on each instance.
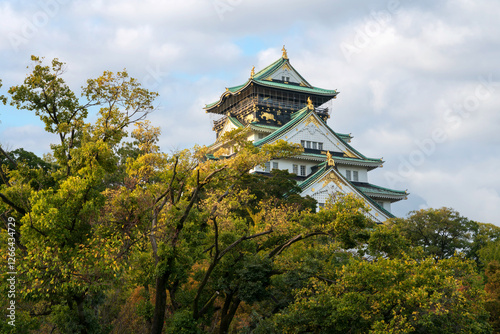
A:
(419, 81)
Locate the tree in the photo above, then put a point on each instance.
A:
(400, 295)
(175, 185)
(247, 254)
(492, 289)
(68, 251)
(443, 232)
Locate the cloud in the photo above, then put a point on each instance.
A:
(30, 137)
(413, 69)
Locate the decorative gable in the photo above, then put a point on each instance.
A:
(230, 124)
(330, 181)
(287, 74)
(312, 130)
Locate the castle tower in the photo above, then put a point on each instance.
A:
(278, 103)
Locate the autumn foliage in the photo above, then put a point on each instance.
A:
(115, 236)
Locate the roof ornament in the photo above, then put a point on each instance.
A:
(310, 105)
(252, 72)
(285, 56)
(329, 158)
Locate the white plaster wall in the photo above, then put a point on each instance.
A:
(362, 172)
(312, 132)
(283, 72)
(287, 164)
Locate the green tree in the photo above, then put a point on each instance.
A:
(492, 289)
(175, 186)
(441, 233)
(401, 295)
(246, 253)
(69, 252)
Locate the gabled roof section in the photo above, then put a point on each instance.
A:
(324, 170)
(380, 192)
(230, 123)
(265, 76)
(235, 121)
(263, 127)
(278, 66)
(351, 154)
(344, 136)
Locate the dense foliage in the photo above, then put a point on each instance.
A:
(114, 236)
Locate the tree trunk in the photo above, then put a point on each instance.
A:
(226, 318)
(81, 313)
(160, 303)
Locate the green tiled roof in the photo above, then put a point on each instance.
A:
(261, 78)
(347, 159)
(264, 126)
(313, 177)
(268, 70)
(235, 121)
(321, 171)
(374, 189)
(236, 88)
(303, 89)
(344, 135)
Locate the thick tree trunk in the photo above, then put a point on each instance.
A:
(226, 318)
(81, 313)
(160, 304)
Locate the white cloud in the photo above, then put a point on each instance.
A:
(30, 137)
(422, 61)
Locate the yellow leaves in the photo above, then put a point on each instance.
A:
(147, 136)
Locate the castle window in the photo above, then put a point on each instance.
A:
(302, 170)
(355, 176)
(308, 144)
(303, 143)
(287, 79)
(315, 145)
(268, 167)
(275, 165)
(348, 175)
(320, 146)
(296, 169)
(283, 78)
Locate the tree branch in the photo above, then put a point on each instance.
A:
(8, 157)
(240, 240)
(12, 205)
(291, 241)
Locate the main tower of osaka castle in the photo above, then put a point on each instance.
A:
(279, 103)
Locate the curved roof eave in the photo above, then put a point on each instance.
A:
(229, 91)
